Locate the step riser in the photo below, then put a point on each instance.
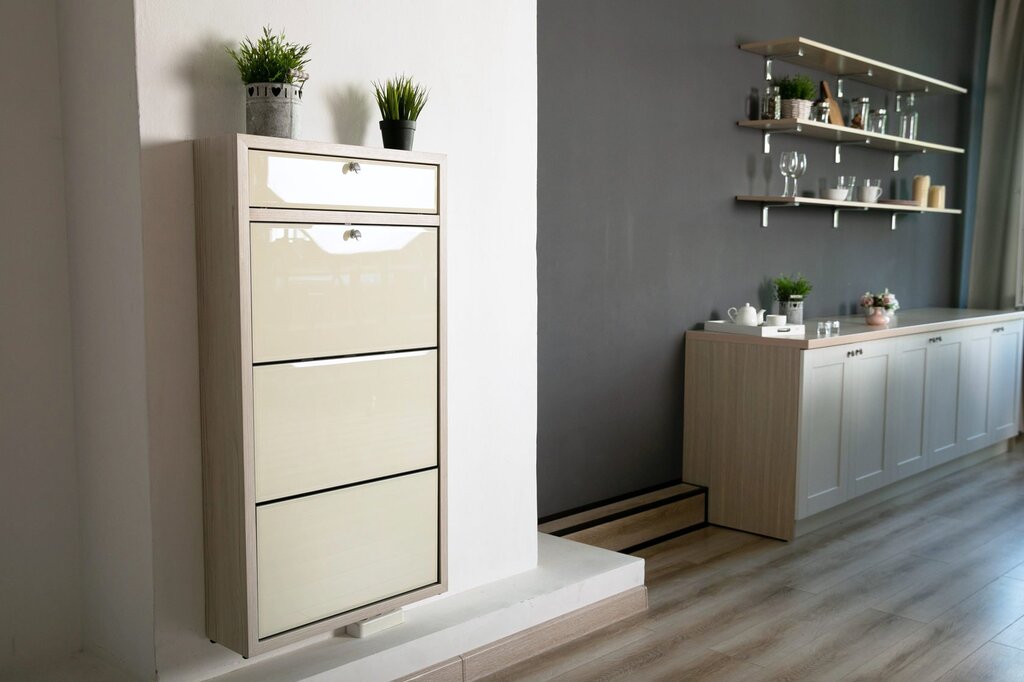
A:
(629, 524)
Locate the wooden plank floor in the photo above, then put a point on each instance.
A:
(928, 586)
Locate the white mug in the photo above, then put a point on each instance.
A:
(774, 320)
(869, 194)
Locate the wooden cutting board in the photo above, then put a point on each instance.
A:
(835, 116)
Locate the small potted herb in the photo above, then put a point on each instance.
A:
(272, 70)
(400, 101)
(790, 292)
(797, 93)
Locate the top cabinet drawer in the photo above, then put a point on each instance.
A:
(282, 180)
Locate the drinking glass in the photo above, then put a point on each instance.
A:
(801, 166)
(788, 162)
(847, 182)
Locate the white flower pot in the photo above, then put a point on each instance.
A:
(799, 109)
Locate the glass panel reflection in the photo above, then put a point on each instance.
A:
(319, 292)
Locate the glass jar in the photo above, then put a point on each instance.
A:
(821, 111)
(908, 119)
(771, 103)
(877, 123)
(860, 111)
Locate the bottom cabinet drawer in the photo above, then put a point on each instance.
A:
(325, 554)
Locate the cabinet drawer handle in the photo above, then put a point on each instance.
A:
(935, 339)
(997, 330)
(355, 234)
(351, 167)
(855, 352)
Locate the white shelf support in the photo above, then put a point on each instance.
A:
(766, 206)
(895, 215)
(769, 58)
(767, 139)
(835, 215)
(895, 167)
(839, 146)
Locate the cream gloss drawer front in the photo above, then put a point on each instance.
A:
(323, 555)
(327, 290)
(283, 180)
(327, 423)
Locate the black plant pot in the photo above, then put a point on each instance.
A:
(397, 134)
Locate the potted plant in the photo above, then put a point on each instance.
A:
(879, 308)
(797, 93)
(790, 293)
(400, 101)
(272, 71)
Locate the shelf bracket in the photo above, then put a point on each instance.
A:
(839, 146)
(766, 206)
(767, 139)
(769, 58)
(839, 80)
(835, 215)
(895, 167)
(897, 214)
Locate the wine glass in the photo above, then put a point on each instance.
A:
(787, 166)
(801, 166)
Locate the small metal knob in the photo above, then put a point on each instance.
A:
(352, 167)
(355, 234)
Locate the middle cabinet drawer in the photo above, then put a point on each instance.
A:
(328, 290)
(327, 423)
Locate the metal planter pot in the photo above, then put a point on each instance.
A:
(273, 109)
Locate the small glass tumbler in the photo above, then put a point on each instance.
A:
(835, 327)
(824, 328)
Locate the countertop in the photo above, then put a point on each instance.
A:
(853, 329)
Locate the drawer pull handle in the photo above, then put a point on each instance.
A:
(351, 167)
(997, 330)
(854, 353)
(935, 339)
(355, 234)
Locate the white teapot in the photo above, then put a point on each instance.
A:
(746, 316)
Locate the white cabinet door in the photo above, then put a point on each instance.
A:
(822, 468)
(942, 396)
(975, 371)
(869, 373)
(1004, 381)
(906, 439)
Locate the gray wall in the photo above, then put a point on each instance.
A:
(640, 239)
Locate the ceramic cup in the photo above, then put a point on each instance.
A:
(869, 194)
(774, 320)
(837, 194)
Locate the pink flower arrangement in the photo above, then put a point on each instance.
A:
(884, 300)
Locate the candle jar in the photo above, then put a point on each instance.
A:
(878, 120)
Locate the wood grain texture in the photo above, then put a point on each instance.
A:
(614, 508)
(740, 432)
(644, 526)
(222, 366)
(490, 659)
(446, 671)
(725, 605)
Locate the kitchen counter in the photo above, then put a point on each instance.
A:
(853, 329)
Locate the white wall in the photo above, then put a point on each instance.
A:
(99, 103)
(479, 59)
(39, 548)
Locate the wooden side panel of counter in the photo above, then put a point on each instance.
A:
(740, 431)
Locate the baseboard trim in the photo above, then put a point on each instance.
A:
(503, 653)
(859, 504)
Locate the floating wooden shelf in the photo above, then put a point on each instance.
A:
(821, 57)
(843, 134)
(768, 202)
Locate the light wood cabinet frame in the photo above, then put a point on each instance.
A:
(223, 216)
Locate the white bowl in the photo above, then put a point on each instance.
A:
(837, 194)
